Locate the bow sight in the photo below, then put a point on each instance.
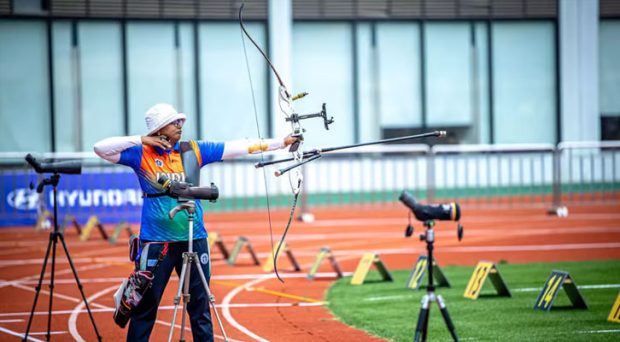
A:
(322, 114)
(294, 119)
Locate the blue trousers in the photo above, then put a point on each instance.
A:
(143, 318)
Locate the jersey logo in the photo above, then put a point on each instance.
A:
(204, 258)
(159, 162)
(172, 176)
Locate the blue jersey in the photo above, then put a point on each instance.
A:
(149, 163)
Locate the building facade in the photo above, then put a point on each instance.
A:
(488, 71)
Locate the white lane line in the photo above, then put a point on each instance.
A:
(35, 277)
(397, 221)
(256, 305)
(599, 331)
(165, 307)
(391, 234)
(11, 332)
(226, 302)
(79, 309)
(226, 309)
(45, 333)
(63, 260)
(54, 312)
(374, 299)
(466, 249)
(552, 247)
(71, 281)
(68, 281)
(58, 295)
(600, 286)
(523, 289)
(76, 311)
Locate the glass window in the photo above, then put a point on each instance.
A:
(448, 74)
(65, 109)
(609, 46)
(151, 68)
(368, 96)
(187, 76)
(480, 86)
(101, 81)
(524, 84)
(399, 74)
(227, 111)
(321, 65)
(24, 88)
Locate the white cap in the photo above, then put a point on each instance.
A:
(161, 115)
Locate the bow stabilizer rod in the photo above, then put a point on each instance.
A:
(320, 151)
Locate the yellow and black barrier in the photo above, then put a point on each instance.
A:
(214, 239)
(70, 219)
(234, 254)
(614, 314)
(325, 252)
(269, 263)
(122, 226)
(484, 270)
(93, 222)
(367, 260)
(417, 275)
(558, 280)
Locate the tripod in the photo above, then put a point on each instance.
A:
(421, 330)
(190, 257)
(53, 241)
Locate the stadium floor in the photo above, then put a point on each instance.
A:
(253, 304)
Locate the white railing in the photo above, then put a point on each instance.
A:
(539, 173)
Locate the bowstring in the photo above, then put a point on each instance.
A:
(262, 157)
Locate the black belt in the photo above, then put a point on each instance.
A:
(159, 194)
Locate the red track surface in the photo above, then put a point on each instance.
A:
(255, 305)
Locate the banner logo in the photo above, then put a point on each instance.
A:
(23, 199)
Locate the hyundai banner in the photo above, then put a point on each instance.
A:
(111, 196)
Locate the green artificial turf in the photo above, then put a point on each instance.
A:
(390, 310)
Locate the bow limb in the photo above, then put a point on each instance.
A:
(287, 94)
(285, 107)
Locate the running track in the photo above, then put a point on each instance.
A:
(256, 306)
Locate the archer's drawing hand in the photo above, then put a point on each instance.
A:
(156, 142)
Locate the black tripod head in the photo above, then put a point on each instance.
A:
(56, 168)
(184, 192)
(73, 167)
(429, 213)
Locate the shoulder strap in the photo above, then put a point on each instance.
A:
(190, 163)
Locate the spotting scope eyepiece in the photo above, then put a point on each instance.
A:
(187, 191)
(69, 166)
(442, 212)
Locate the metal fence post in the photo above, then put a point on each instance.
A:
(557, 208)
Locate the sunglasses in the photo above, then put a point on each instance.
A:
(178, 123)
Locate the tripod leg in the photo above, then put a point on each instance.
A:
(446, 317)
(177, 299)
(187, 260)
(420, 329)
(49, 310)
(38, 288)
(210, 296)
(79, 284)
